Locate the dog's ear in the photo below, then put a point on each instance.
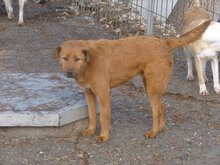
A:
(87, 54)
(57, 52)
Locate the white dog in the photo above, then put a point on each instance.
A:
(9, 9)
(203, 50)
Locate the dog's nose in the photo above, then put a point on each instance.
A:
(69, 72)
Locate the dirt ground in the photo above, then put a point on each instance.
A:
(192, 132)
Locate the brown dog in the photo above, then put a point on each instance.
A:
(98, 66)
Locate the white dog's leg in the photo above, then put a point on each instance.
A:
(9, 9)
(203, 70)
(214, 64)
(190, 76)
(203, 90)
(21, 11)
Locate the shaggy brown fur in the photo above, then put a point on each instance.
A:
(98, 66)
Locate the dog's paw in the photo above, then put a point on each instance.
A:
(20, 22)
(10, 16)
(190, 78)
(204, 92)
(150, 134)
(217, 90)
(101, 139)
(88, 132)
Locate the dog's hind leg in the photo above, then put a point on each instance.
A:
(203, 70)
(92, 109)
(158, 117)
(161, 117)
(9, 9)
(190, 76)
(156, 81)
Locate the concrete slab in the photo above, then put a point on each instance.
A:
(39, 100)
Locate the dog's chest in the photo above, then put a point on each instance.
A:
(84, 86)
(207, 54)
(203, 49)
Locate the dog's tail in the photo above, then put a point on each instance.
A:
(196, 3)
(189, 37)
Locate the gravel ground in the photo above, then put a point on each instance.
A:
(192, 132)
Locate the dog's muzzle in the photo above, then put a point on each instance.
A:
(70, 74)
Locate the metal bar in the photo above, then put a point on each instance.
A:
(151, 4)
(161, 14)
(213, 9)
(166, 8)
(161, 10)
(141, 11)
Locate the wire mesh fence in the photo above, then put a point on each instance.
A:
(161, 18)
(176, 16)
(121, 16)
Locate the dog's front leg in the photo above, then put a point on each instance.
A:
(214, 64)
(105, 114)
(203, 90)
(21, 11)
(9, 9)
(91, 101)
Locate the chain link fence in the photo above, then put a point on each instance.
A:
(161, 18)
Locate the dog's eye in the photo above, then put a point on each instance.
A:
(77, 59)
(65, 58)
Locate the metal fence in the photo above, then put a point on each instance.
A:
(161, 18)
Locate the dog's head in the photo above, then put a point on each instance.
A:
(73, 58)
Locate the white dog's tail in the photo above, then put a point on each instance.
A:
(197, 3)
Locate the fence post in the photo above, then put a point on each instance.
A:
(150, 16)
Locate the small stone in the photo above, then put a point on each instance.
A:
(117, 31)
(81, 156)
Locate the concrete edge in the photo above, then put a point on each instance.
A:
(74, 115)
(77, 113)
(33, 119)
(45, 132)
(54, 119)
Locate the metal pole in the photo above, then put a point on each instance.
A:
(150, 19)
